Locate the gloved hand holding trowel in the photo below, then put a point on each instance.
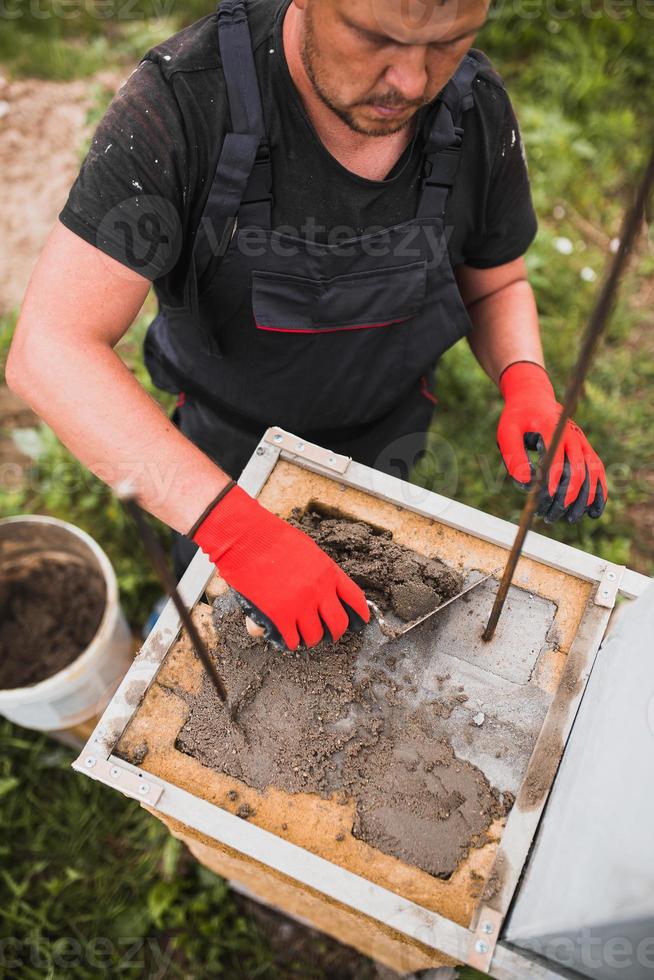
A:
(290, 586)
(291, 590)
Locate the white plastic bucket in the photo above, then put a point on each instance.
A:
(83, 688)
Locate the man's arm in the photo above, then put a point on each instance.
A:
(502, 307)
(505, 339)
(78, 305)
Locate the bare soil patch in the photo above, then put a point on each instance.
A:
(42, 128)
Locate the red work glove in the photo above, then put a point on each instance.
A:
(290, 585)
(577, 481)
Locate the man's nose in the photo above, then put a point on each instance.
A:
(408, 73)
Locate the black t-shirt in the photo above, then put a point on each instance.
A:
(158, 144)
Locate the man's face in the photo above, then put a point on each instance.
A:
(376, 62)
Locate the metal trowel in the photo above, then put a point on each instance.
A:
(394, 632)
(390, 632)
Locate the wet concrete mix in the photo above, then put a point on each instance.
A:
(313, 721)
(50, 611)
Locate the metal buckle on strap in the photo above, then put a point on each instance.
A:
(263, 153)
(440, 170)
(259, 189)
(444, 137)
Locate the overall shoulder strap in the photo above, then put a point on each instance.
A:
(444, 140)
(243, 174)
(238, 68)
(246, 108)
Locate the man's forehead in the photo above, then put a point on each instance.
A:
(416, 21)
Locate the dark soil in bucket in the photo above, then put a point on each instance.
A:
(315, 721)
(50, 610)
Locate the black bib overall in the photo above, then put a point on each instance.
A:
(334, 342)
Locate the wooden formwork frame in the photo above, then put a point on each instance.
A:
(481, 944)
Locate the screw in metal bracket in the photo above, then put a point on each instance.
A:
(481, 946)
(278, 437)
(144, 789)
(89, 762)
(488, 928)
(115, 772)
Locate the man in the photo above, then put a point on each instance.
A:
(327, 195)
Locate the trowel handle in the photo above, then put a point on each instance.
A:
(255, 631)
(258, 625)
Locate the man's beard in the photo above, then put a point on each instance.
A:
(310, 60)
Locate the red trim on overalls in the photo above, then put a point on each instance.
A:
(317, 330)
(426, 392)
(181, 399)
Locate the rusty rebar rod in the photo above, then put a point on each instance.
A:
(155, 553)
(599, 320)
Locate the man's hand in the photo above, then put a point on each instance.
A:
(577, 481)
(280, 571)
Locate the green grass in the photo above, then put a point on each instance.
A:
(78, 862)
(92, 886)
(93, 36)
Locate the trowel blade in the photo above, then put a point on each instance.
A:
(392, 633)
(428, 615)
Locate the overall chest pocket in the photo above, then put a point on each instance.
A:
(359, 300)
(333, 351)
